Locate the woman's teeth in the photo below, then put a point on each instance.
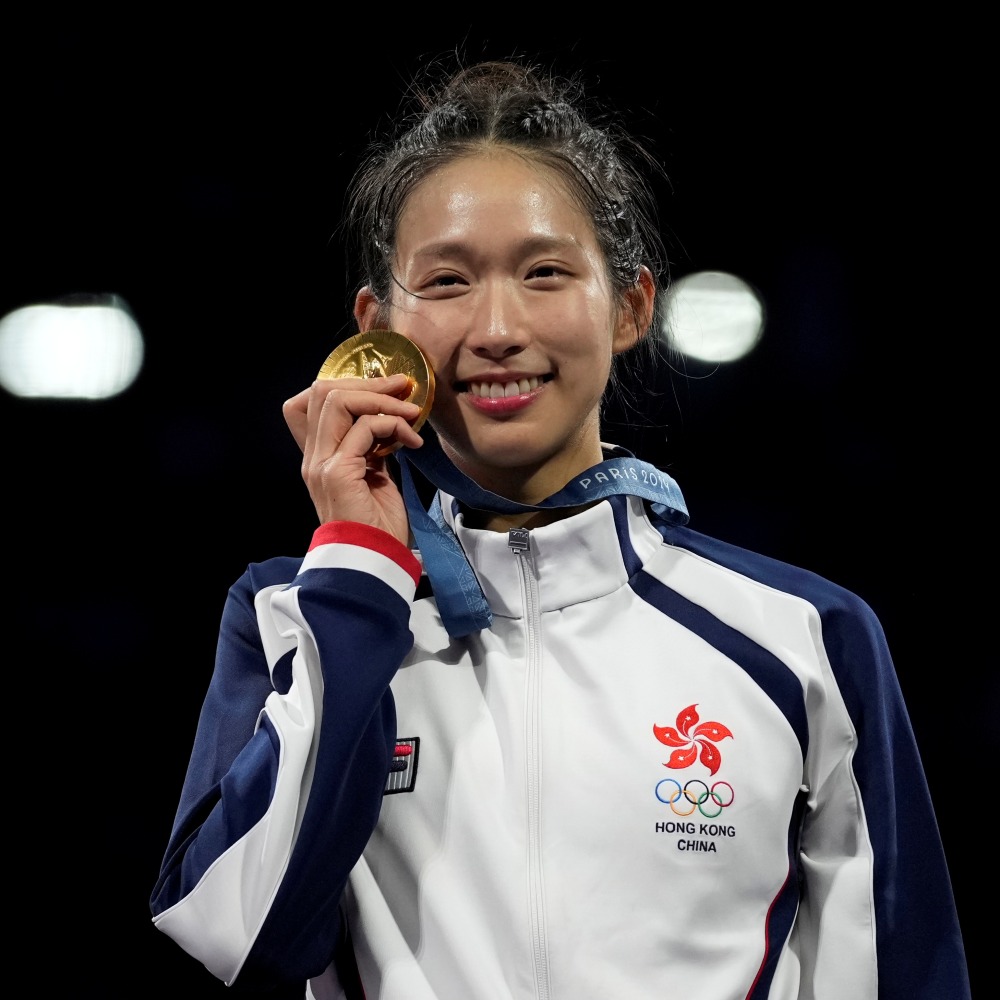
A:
(496, 390)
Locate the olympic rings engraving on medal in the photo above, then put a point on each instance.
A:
(719, 795)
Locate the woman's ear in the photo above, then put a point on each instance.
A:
(367, 309)
(636, 313)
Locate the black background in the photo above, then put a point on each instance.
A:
(198, 171)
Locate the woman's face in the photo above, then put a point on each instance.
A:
(503, 287)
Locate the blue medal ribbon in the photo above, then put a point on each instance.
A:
(460, 598)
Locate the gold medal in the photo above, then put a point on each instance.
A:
(380, 353)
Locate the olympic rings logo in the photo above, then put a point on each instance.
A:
(696, 794)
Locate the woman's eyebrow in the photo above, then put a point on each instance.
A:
(525, 247)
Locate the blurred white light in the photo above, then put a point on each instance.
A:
(712, 316)
(91, 350)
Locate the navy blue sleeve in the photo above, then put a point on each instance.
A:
(286, 777)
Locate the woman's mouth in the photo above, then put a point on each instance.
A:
(500, 390)
(502, 399)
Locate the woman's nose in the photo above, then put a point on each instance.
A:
(498, 329)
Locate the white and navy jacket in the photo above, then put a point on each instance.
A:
(671, 768)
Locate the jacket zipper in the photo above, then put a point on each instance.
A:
(519, 541)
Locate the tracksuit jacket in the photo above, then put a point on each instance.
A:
(671, 768)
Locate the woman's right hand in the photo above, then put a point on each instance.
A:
(337, 423)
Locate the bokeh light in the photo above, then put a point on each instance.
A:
(83, 348)
(712, 316)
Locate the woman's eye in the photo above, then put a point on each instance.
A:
(544, 271)
(443, 285)
(446, 281)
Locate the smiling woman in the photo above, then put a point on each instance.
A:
(437, 771)
(500, 280)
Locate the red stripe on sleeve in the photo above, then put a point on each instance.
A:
(368, 537)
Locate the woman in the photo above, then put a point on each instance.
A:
(575, 749)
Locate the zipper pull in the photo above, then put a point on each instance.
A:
(518, 540)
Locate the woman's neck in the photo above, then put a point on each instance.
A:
(526, 485)
(488, 521)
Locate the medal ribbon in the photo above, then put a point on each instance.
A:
(460, 598)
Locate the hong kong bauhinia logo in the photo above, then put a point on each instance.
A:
(693, 744)
(695, 801)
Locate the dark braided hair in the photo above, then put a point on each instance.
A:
(543, 118)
